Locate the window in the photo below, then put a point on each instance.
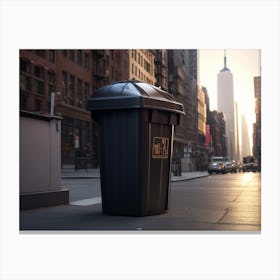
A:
(38, 81)
(80, 57)
(71, 90)
(118, 57)
(134, 54)
(51, 82)
(40, 53)
(86, 60)
(25, 82)
(64, 53)
(72, 55)
(39, 87)
(25, 66)
(51, 77)
(80, 93)
(52, 56)
(86, 94)
(64, 86)
(38, 105)
(38, 72)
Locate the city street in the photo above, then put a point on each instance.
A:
(230, 202)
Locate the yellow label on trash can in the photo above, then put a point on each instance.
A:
(160, 147)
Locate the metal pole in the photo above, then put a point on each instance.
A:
(52, 103)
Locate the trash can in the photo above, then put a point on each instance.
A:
(136, 127)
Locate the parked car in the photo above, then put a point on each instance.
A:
(231, 166)
(249, 164)
(239, 166)
(217, 165)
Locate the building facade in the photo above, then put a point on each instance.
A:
(74, 74)
(246, 151)
(257, 124)
(37, 79)
(202, 151)
(161, 69)
(142, 66)
(183, 86)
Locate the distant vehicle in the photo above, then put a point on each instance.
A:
(217, 165)
(239, 166)
(231, 166)
(249, 164)
(228, 166)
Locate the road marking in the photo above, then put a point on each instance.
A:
(87, 201)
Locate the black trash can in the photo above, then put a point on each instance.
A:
(136, 127)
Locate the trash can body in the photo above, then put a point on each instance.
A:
(135, 155)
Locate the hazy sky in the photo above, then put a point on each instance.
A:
(244, 65)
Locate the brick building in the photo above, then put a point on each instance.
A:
(182, 75)
(74, 75)
(69, 73)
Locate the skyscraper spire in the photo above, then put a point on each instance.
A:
(225, 62)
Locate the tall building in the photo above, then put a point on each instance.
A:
(202, 151)
(161, 69)
(238, 154)
(142, 65)
(182, 74)
(217, 130)
(246, 151)
(257, 125)
(109, 66)
(208, 128)
(226, 105)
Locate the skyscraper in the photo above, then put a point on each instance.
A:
(246, 151)
(226, 105)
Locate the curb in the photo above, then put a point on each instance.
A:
(185, 179)
(98, 177)
(80, 177)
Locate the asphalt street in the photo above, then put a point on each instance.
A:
(230, 202)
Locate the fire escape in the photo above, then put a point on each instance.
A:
(160, 70)
(100, 62)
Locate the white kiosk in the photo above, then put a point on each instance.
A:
(40, 161)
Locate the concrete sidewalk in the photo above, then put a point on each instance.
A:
(95, 173)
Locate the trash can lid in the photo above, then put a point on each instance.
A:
(133, 94)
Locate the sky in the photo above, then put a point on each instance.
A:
(244, 64)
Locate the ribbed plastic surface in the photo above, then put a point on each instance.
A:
(136, 142)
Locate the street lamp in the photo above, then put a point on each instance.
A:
(53, 102)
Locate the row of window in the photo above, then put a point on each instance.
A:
(46, 54)
(78, 56)
(139, 75)
(138, 58)
(74, 90)
(35, 78)
(32, 84)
